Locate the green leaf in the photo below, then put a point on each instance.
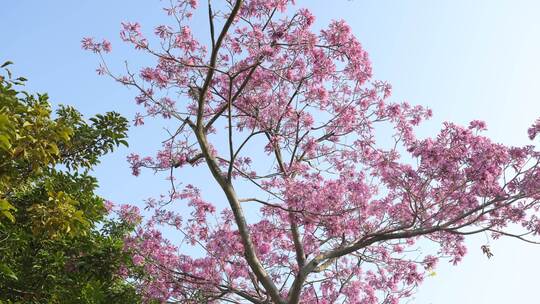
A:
(6, 208)
(9, 216)
(54, 149)
(5, 64)
(5, 270)
(5, 143)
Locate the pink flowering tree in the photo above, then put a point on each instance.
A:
(287, 120)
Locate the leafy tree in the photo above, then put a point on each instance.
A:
(287, 119)
(56, 243)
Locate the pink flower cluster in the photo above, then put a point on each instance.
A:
(326, 188)
(534, 130)
(96, 47)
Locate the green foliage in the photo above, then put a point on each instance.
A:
(56, 243)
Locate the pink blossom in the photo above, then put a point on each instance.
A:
(106, 46)
(130, 214)
(534, 129)
(139, 120)
(478, 125)
(89, 44)
(137, 260)
(318, 176)
(108, 205)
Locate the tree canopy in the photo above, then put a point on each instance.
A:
(289, 119)
(57, 243)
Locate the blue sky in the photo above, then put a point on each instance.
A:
(464, 59)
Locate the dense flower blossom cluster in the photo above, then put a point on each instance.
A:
(288, 119)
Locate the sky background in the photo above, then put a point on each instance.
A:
(464, 59)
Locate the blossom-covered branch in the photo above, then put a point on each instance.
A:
(290, 119)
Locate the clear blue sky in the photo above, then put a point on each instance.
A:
(465, 59)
